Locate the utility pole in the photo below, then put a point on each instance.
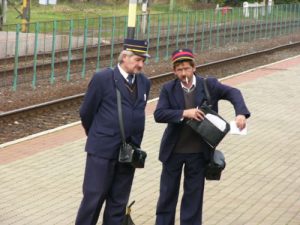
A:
(171, 5)
(3, 9)
(25, 15)
(1, 15)
(131, 19)
(145, 13)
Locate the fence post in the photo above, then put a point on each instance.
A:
(195, 31)
(112, 42)
(281, 16)
(255, 11)
(158, 38)
(276, 18)
(99, 42)
(266, 25)
(297, 14)
(178, 27)
(203, 31)
(290, 21)
(225, 28)
(294, 17)
(187, 28)
(271, 21)
(231, 25)
(15, 80)
(168, 38)
(148, 33)
(86, 24)
(210, 28)
(52, 77)
(70, 49)
(138, 25)
(250, 30)
(125, 28)
(238, 28)
(255, 28)
(244, 21)
(35, 54)
(285, 19)
(218, 30)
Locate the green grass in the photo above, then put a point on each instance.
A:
(65, 11)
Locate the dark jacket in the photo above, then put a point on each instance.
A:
(171, 104)
(99, 113)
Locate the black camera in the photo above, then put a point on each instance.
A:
(132, 155)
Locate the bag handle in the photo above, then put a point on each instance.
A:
(212, 152)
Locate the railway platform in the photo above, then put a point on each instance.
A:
(41, 176)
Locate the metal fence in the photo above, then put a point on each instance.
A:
(74, 49)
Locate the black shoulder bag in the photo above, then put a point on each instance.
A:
(213, 128)
(128, 153)
(212, 135)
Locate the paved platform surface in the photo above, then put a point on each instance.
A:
(41, 178)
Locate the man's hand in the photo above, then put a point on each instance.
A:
(194, 113)
(240, 121)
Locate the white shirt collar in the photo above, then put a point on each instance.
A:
(124, 73)
(192, 87)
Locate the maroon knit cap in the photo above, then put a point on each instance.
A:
(182, 55)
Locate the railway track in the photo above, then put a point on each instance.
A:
(76, 64)
(33, 119)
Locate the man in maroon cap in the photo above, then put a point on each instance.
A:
(181, 147)
(106, 179)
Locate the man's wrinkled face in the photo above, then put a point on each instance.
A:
(184, 72)
(133, 64)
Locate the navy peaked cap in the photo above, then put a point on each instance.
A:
(138, 47)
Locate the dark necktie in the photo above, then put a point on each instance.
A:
(130, 79)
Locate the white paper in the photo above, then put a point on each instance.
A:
(219, 123)
(235, 130)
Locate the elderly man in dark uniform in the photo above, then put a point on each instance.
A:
(181, 147)
(105, 178)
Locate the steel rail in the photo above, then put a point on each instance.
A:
(156, 78)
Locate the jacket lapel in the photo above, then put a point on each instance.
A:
(119, 81)
(178, 93)
(141, 91)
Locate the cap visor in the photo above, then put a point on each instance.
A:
(145, 55)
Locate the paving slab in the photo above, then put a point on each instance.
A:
(41, 177)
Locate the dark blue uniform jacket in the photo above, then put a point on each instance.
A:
(171, 105)
(99, 113)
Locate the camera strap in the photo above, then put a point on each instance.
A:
(207, 92)
(120, 115)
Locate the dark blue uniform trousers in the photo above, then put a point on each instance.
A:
(109, 181)
(192, 199)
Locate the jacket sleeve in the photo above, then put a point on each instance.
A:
(91, 103)
(231, 94)
(165, 112)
